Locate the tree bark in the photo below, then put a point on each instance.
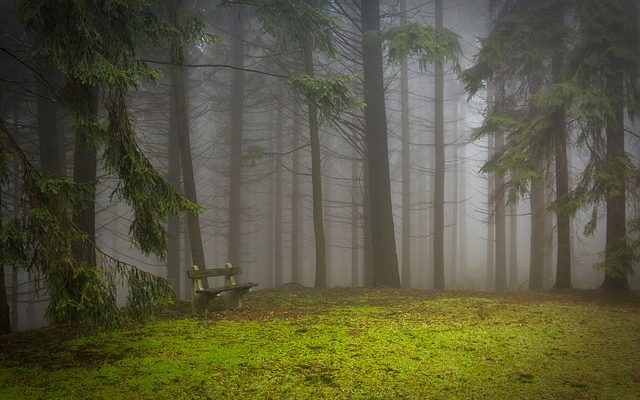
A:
(278, 193)
(385, 259)
(406, 167)
(84, 172)
(513, 247)
(296, 229)
(563, 220)
(616, 232)
(491, 227)
(237, 113)
(173, 223)
(316, 182)
(193, 221)
(499, 201)
(438, 194)
(354, 220)
(536, 255)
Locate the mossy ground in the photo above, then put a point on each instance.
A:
(295, 343)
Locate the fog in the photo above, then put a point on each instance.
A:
(252, 169)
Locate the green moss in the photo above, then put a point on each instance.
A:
(348, 344)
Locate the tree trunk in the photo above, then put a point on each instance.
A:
(513, 247)
(84, 172)
(237, 112)
(278, 193)
(296, 230)
(173, 223)
(616, 259)
(563, 220)
(5, 314)
(355, 220)
(499, 201)
(367, 266)
(406, 167)
(385, 259)
(316, 182)
(491, 227)
(536, 255)
(193, 221)
(438, 194)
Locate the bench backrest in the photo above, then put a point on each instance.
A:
(197, 275)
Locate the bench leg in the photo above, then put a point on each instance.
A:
(233, 298)
(199, 302)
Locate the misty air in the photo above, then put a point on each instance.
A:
(310, 199)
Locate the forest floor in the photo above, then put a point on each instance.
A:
(300, 343)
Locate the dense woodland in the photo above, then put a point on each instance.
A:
(476, 145)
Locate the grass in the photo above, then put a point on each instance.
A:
(295, 343)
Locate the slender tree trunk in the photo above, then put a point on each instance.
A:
(499, 199)
(536, 255)
(513, 247)
(454, 202)
(316, 181)
(438, 194)
(193, 221)
(563, 220)
(491, 227)
(406, 167)
(173, 223)
(385, 259)
(616, 259)
(237, 112)
(549, 237)
(366, 229)
(84, 172)
(5, 314)
(296, 230)
(354, 220)
(278, 193)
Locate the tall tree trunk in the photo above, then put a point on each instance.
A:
(237, 112)
(177, 79)
(513, 247)
(296, 229)
(278, 193)
(499, 199)
(367, 266)
(5, 314)
(549, 238)
(385, 258)
(563, 220)
(354, 220)
(84, 172)
(491, 227)
(52, 160)
(536, 255)
(616, 258)
(406, 167)
(316, 182)
(438, 194)
(454, 201)
(173, 223)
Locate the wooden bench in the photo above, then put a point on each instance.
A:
(230, 292)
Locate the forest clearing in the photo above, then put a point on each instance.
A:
(303, 343)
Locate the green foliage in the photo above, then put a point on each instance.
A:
(348, 344)
(151, 197)
(526, 34)
(331, 94)
(39, 240)
(430, 45)
(93, 47)
(296, 24)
